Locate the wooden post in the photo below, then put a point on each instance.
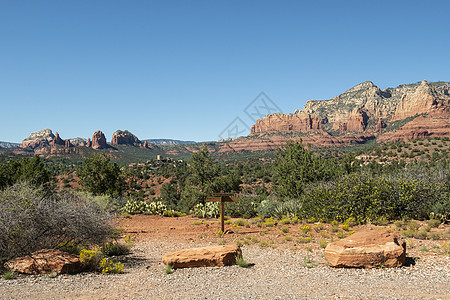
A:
(222, 215)
(222, 198)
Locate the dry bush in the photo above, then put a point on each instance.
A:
(31, 219)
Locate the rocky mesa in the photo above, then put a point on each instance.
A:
(362, 113)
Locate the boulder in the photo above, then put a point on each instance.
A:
(203, 257)
(99, 140)
(45, 261)
(367, 249)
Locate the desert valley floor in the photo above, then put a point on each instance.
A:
(278, 269)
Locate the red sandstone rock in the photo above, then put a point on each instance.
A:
(57, 140)
(203, 257)
(421, 101)
(431, 125)
(99, 140)
(38, 139)
(124, 137)
(367, 249)
(380, 125)
(286, 123)
(356, 121)
(45, 261)
(89, 143)
(67, 144)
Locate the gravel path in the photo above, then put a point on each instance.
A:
(275, 274)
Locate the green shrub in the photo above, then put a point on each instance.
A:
(305, 229)
(168, 269)
(308, 262)
(267, 208)
(31, 219)
(90, 259)
(241, 222)
(241, 262)
(115, 249)
(318, 227)
(435, 236)
(433, 223)
(207, 210)
(288, 209)
(245, 207)
(107, 265)
(7, 275)
(368, 198)
(421, 235)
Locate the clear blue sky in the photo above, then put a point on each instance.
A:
(186, 69)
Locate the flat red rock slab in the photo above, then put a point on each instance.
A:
(45, 261)
(367, 249)
(203, 257)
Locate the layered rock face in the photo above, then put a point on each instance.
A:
(286, 122)
(423, 100)
(352, 110)
(124, 138)
(99, 140)
(361, 113)
(435, 124)
(38, 139)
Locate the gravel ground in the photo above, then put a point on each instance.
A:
(273, 274)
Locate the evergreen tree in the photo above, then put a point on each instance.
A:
(297, 166)
(100, 176)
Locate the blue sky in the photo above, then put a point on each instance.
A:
(186, 69)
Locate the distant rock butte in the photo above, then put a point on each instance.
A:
(124, 138)
(38, 139)
(78, 142)
(99, 140)
(361, 113)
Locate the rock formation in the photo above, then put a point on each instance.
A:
(367, 249)
(203, 257)
(287, 123)
(67, 144)
(380, 125)
(57, 140)
(431, 125)
(38, 139)
(99, 140)
(45, 261)
(89, 143)
(78, 141)
(124, 138)
(422, 100)
(359, 114)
